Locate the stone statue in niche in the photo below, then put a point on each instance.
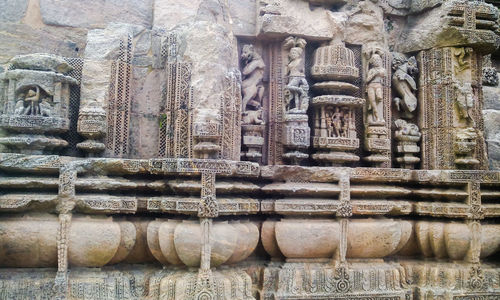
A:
(407, 136)
(339, 122)
(33, 103)
(461, 56)
(253, 117)
(253, 73)
(252, 89)
(464, 100)
(464, 146)
(374, 87)
(297, 100)
(404, 83)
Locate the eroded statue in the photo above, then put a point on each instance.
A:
(297, 100)
(406, 128)
(404, 83)
(33, 103)
(464, 100)
(374, 87)
(253, 72)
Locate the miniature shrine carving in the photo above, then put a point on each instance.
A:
(250, 149)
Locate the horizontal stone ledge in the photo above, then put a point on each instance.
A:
(286, 173)
(305, 207)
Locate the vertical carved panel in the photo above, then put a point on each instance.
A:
(231, 120)
(119, 109)
(119, 102)
(72, 137)
(175, 128)
(450, 102)
(276, 110)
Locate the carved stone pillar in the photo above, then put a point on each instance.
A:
(252, 90)
(34, 103)
(296, 138)
(378, 107)
(207, 136)
(451, 104)
(404, 84)
(92, 125)
(335, 111)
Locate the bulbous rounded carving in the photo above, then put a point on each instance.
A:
(92, 242)
(154, 242)
(306, 238)
(166, 233)
(127, 241)
(248, 238)
(26, 243)
(268, 238)
(187, 240)
(453, 240)
(376, 238)
(178, 242)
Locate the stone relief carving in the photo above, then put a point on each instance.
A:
(35, 98)
(252, 90)
(334, 218)
(253, 73)
(374, 88)
(404, 82)
(297, 87)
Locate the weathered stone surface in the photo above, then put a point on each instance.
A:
(95, 82)
(203, 39)
(395, 7)
(494, 154)
(110, 42)
(41, 62)
(421, 5)
(187, 237)
(296, 18)
(170, 13)
(307, 238)
(491, 97)
(365, 25)
(244, 16)
(20, 39)
(145, 109)
(92, 242)
(185, 92)
(127, 242)
(492, 124)
(28, 243)
(12, 10)
(96, 14)
(432, 28)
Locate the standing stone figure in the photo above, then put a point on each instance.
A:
(253, 72)
(374, 88)
(403, 81)
(297, 100)
(465, 100)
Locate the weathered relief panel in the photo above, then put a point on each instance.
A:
(256, 149)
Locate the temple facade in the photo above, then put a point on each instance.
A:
(250, 149)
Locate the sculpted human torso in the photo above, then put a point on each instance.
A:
(253, 73)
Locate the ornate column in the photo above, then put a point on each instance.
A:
(297, 132)
(378, 107)
(451, 105)
(407, 135)
(335, 111)
(92, 125)
(252, 89)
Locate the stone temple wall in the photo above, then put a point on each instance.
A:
(249, 149)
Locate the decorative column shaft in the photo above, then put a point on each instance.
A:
(335, 111)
